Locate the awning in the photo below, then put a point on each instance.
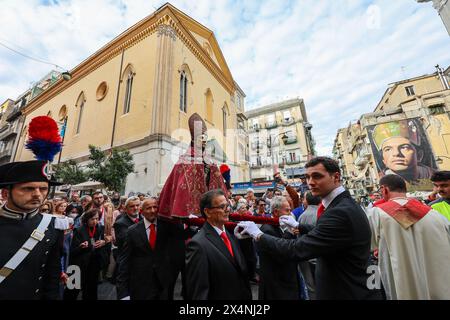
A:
(297, 171)
(362, 174)
(88, 185)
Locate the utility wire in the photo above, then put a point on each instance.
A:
(29, 57)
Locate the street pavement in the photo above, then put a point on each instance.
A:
(107, 291)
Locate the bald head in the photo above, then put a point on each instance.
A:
(150, 209)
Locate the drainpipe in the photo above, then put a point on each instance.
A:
(117, 100)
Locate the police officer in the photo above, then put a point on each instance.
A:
(31, 243)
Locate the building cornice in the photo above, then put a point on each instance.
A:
(127, 39)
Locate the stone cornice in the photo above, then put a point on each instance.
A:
(127, 39)
(195, 47)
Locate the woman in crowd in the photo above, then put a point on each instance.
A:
(110, 219)
(46, 207)
(87, 252)
(60, 208)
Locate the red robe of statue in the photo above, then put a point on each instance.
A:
(185, 185)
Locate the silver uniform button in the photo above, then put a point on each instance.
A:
(37, 291)
(46, 252)
(48, 240)
(43, 265)
(40, 278)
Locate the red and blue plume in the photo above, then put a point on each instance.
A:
(44, 139)
(225, 171)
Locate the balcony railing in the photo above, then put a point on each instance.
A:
(295, 161)
(271, 125)
(8, 133)
(14, 114)
(288, 121)
(260, 165)
(257, 145)
(362, 159)
(5, 154)
(291, 140)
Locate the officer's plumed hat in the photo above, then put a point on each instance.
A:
(45, 142)
(25, 171)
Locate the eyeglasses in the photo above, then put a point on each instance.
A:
(45, 210)
(224, 207)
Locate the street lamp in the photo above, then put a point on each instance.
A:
(66, 75)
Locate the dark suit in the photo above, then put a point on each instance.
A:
(279, 278)
(341, 244)
(120, 229)
(211, 272)
(37, 277)
(90, 261)
(146, 274)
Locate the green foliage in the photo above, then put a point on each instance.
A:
(70, 173)
(111, 170)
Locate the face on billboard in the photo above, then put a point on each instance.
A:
(402, 147)
(399, 154)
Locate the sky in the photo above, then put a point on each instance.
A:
(339, 56)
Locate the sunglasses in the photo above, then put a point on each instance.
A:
(223, 207)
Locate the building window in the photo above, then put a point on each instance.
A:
(255, 123)
(80, 116)
(183, 91)
(292, 156)
(241, 125)
(128, 89)
(224, 113)
(270, 120)
(238, 101)
(437, 109)
(209, 105)
(410, 91)
(258, 161)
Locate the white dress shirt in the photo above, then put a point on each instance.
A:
(147, 226)
(326, 201)
(219, 232)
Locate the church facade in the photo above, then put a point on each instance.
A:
(138, 91)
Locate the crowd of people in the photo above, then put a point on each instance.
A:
(314, 242)
(320, 248)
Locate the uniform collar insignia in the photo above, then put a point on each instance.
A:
(12, 214)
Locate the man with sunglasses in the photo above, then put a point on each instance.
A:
(215, 266)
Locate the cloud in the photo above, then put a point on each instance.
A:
(339, 56)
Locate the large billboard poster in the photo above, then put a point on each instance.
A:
(402, 147)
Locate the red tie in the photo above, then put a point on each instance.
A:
(320, 210)
(152, 237)
(136, 220)
(225, 239)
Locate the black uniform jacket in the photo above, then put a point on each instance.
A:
(37, 277)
